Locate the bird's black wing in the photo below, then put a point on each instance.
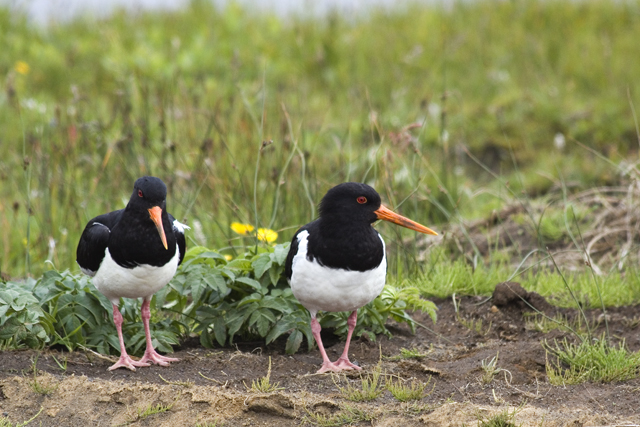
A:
(94, 241)
(178, 230)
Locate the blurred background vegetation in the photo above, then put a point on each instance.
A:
(448, 111)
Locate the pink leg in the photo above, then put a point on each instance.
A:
(125, 361)
(343, 362)
(327, 365)
(150, 354)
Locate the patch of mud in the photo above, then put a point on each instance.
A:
(211, 386)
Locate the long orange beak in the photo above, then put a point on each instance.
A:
(387, 214)
(156, 216)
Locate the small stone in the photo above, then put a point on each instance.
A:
(494, 309)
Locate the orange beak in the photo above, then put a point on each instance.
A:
(156, 216)
(387, 214)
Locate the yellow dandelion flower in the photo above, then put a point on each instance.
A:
(267, 235)
(242, 229)
(22, 67)
(228, 257)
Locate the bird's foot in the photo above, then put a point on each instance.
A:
(328, 367)
(344, 364)
(126, 362)
(151, 356)
(338, 366)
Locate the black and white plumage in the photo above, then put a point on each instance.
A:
(133, 253)
(338, 262)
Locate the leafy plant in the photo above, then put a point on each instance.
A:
(248, 297)
(221, 300)
(23, 322)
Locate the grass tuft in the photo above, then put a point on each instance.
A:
(412, 353)
(157, 409)
(595, 360)
(264, 384)
(38, 386)
(490, 369)
(405, 391)
(502, 419)
(347, 416)
(475, 325)
(371, 386)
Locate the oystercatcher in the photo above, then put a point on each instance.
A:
(338, 262)
(133, 253)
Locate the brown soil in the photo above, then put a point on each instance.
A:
(208, 387)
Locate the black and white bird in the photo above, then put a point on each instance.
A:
(133, 253)
(338, 261)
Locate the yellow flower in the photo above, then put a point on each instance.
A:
(267, 235)
(228, 257)
(242, 229)
(22, 67)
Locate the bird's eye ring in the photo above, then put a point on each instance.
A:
(362, 200)
(139, 193)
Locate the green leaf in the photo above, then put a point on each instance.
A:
(261, 264)
(262, 319)
(236, 319)
(278, 304)
(249, 281)
(220, 331)
(293, 342)
(216, 282)
(280, 253)
(240, 264)
(274, 275)
(282, 326)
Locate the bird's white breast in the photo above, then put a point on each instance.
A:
(143, 281)
(330, 289)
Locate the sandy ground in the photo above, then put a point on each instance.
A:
(210, 387)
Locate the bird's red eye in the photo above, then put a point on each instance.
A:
(362, 200)
(139, 193)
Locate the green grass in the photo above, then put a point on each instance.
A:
(412, 353)
(405, 391)
(597, 360)
(251, 117)
(264, 384)
(191, 96)
(444, 277)
(371, 386)
(501, 419)
(349, 415)
(490, 369)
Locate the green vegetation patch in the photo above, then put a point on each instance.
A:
(251, 117)
(595, 360)
(217, 298)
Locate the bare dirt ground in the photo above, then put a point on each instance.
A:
(208, 387)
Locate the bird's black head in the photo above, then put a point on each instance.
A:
(150, 194)
(351, 201)
(149, 191)
(354, 203)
